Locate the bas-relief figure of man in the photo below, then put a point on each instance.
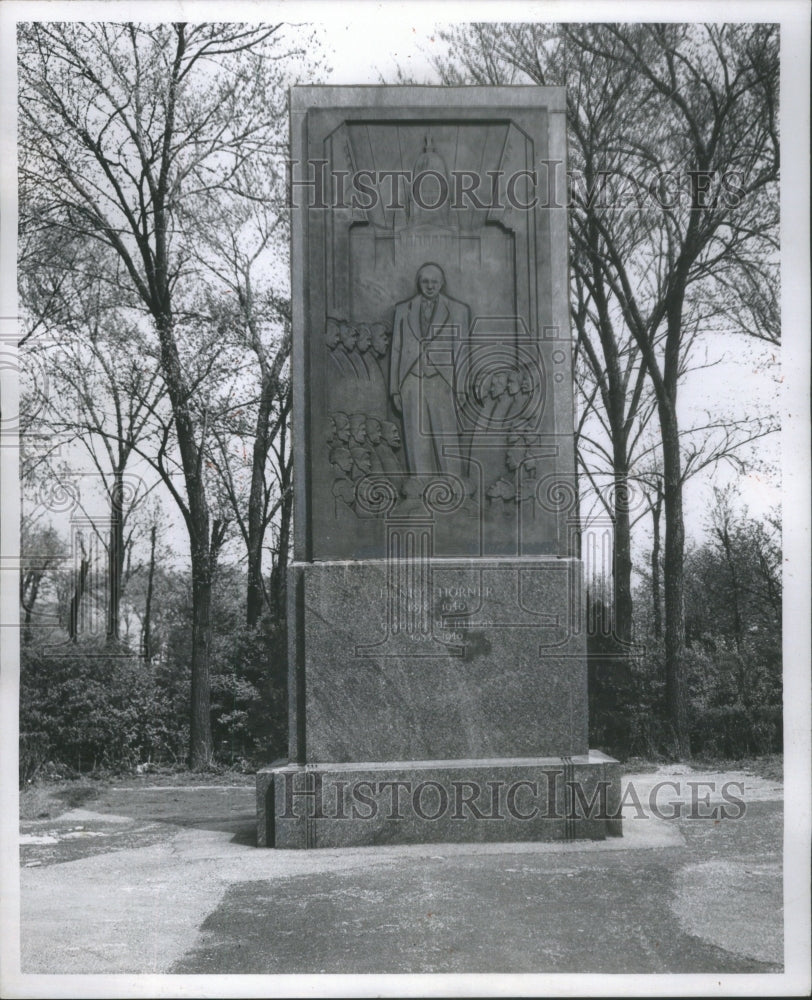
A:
(374, 433)
(389, 448)
(425, 382)
(345, 364)
(372, 345)
(343, 486)
(362, 465)
(358, 428)
(379, 337)
(339, 358)
(348, 336)
(341, 424)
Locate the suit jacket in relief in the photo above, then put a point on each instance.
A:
(449, 324)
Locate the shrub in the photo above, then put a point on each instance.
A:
(85, 707)
(734, 701)
(249, 695)
(735, 731)
(34, 752)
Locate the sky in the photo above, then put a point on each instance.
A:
(408, 43)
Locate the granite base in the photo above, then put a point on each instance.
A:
(437, 660)
(439, 801)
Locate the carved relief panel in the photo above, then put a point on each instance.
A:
(435, 346)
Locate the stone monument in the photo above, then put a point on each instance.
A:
(437, 646)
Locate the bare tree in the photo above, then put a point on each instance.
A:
(719, 441)
(41, 550)
(686, 143)
(616, 401)
(101, 390)
(239, 247)
(125, 127)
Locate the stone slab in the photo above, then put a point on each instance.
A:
(443, 801)
(405, 661)
(480, 402)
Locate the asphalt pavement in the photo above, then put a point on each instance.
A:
(146, 878)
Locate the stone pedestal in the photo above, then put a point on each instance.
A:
(439, 801)
(397, 660)
(437, 642)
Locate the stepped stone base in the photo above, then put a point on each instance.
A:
(439, 801)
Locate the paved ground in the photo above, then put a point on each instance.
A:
(149, 878)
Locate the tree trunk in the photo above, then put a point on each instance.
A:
(29, 613)
(256, 527)
(278, 587)
(76, 600)
(278, 582)
(115, 557)
(201, 548)
(616, 402)
(676, 688)
(622, 544)
(575, 541)
(201, 746)
(147, 643)
(656, 512)
(253, 604)
(29, 590)
(262, 443)
(738, 627)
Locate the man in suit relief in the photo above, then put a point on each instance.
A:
(429, 334)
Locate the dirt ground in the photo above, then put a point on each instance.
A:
(159, 874)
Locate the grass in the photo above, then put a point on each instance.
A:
(73, 796)
(47, 799)
(771, 766)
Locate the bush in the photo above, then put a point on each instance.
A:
(84, 707)
(627, 713)
(249, 695)
(626, 698)
(734, 731)
(34, 752)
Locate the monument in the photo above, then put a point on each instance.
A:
(437, 650)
